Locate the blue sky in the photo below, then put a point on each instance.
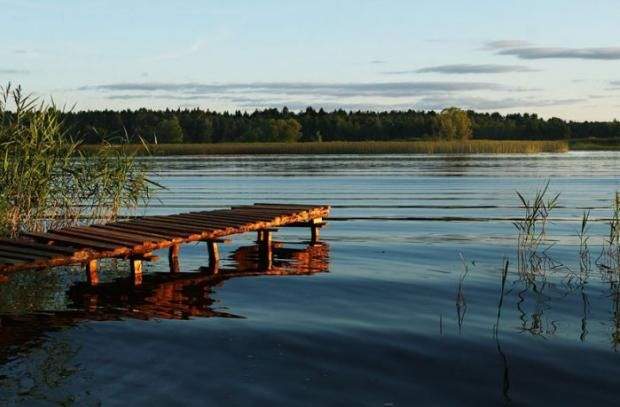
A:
(554, 58)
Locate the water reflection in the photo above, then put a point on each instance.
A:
(161, 295)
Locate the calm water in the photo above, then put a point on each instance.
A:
(400, 305)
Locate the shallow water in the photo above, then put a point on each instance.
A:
(400, 305)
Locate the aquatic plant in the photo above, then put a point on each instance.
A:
(46, 181)
(357, 147)
(461, 304)
(609, 259)
(532, 227)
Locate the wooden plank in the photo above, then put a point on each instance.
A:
(168, 226)
(133, 232)
(28, 251)
(74, 241)
(99, 238)
(287, 205)
(234, 218)
(207, 221)
(18, 256)
(154, 229)
(6, 261)
(192, 223)
(127, 236)
(94, 234)
(221, 222)
(34, 245)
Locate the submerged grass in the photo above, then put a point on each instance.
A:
(358, 147)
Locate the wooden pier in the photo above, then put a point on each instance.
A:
(136, 239)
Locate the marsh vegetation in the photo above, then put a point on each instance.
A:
(45, 179)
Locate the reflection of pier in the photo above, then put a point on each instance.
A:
(178, 295)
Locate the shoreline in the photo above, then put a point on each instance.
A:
(355, 147)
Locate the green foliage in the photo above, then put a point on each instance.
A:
(169, 131)
(204, 126)
(453, 124)
(46, 182)
(274, 130)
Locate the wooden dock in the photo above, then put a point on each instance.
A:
(136, 239)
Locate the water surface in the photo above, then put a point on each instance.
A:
(400, 305)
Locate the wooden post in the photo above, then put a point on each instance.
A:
(173, 258)
(315, 230)
(92, 276)
(265, 250)
(214, 254)
(135, 266)
(259, 235)
(315, 233)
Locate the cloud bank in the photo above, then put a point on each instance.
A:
(467, 69)
(600, 53)
(316, 89)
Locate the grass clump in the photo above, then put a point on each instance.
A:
(537, 211)
(46, 181)
(357, 147)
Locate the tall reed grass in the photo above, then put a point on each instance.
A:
(358, 147)
(46, 181)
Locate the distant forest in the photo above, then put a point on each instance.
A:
(274, 125)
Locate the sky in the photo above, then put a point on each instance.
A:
(553, 58)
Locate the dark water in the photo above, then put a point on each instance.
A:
(400, 305)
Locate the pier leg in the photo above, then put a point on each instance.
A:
(315, 230)
(92, 276)
(214, 255)
(265, 251)
(136, 270)
(315, 233)
(173, 258)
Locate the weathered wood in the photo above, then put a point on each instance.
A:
(135, 239)
(19, 256)
(100, 237)
(133, 232)
(126, 237)
(56, 238)
(29, 251)
(214, 253)
(31, 244)
(314, 234)
(135, 267)
(173, 258)
(92, 275)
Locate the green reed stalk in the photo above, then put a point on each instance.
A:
(46, 182)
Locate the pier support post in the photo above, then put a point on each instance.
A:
(265, 252)
(92, 275)
(315, 230)
(135, 265)
(214, 255)
(173, 258)
(315, 233)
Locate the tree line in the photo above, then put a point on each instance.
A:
(283, 125)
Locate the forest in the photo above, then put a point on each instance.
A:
(282, 125)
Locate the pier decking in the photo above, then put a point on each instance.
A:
(136, 239)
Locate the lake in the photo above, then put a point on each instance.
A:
(403, 303)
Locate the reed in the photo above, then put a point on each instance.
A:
(532, 227)
(358, 147)
(46, 181)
